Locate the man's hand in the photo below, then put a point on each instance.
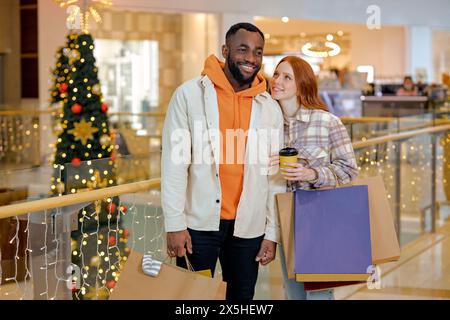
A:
(178, 242)
(266, 252)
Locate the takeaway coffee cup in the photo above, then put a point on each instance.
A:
(288, 155)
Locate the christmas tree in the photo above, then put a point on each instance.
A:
(84, 159)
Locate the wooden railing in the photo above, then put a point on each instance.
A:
(67, 200)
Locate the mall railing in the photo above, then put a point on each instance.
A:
(27, 137)
(20, 134)
(40, 239)
(414, 167)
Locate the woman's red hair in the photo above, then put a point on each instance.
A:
(307, 92)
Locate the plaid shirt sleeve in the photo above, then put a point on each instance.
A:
(342, 165)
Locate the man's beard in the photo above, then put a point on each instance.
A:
(232, 66)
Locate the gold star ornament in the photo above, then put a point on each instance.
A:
(83, 131)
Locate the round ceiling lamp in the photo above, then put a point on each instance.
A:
(328, 49)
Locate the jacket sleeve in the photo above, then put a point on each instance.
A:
(276, 185)
(342, 158)
(175, 162)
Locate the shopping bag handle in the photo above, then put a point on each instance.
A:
(337, 184)
(188, 264)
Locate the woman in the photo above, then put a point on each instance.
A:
(408, 88)
(320, 138)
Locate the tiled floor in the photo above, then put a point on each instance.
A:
(425, 275)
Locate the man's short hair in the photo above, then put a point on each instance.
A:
(242, 25)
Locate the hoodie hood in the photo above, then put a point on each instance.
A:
(214, 70)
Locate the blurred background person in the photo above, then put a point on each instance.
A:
(408, 88)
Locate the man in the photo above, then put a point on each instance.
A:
(217, 203)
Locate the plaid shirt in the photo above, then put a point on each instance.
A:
(322, 140)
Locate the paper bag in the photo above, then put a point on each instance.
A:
(385, 246)
(285, 203)
(332, 234)
(172, 283)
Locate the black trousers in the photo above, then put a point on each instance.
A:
(236, 256)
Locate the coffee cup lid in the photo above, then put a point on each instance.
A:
(288, 152)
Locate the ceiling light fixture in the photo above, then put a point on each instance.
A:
(331, 49)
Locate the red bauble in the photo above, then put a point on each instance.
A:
(111, 208)
(111, 284)
(126, 233)
(74, 287)
(76, 162)
(124, 209)
(111, 241)
(63, 87)
(104, 107)
(76, 108)
(113, 157)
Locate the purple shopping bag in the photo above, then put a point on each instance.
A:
(332, 234)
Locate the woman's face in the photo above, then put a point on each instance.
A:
(282, 84)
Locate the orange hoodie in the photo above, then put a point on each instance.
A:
(234, 114)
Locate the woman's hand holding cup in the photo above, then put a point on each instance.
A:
(291, 170)
(298, 172)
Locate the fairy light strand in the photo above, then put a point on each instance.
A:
(27, 252)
